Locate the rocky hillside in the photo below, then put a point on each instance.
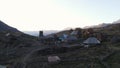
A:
(14, 44)
(5, 27)
(104, 56)
(111, 29)
(19, 50)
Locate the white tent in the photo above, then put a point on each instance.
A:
(74, 33)
(92, 40)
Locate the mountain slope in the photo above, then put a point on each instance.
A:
(111, 29)
(118, 21)
(5, 27)
(14, 44)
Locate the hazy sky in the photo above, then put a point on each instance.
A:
(57, 14)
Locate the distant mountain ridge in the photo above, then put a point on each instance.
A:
(5, 27)
(118, 21)
(102, 25)
(36, 33)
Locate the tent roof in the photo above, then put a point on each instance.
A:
(92, 40)
(74, 33)
(72, 38)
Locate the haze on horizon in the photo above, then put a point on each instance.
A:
(33, 15)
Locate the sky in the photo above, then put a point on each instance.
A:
(33, 15)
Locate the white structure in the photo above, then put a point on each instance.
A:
(92, 40)
(53, 59)
(63, 37)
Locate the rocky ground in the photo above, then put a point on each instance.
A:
(23, 51)
(73, 57)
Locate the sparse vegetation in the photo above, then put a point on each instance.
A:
(26, 51)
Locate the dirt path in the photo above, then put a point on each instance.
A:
(23, 62)
(29, 54)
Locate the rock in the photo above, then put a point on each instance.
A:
(53, 59)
